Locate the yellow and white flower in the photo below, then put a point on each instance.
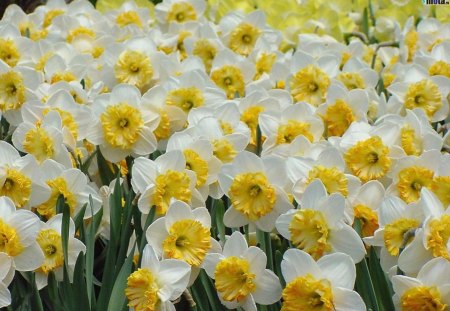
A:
(124, 127)
(437, 62)
(255, 187)
(241, 32)
(342, 108)
(282, 127)
(19, 229)
(13, 46)
(44, 139)
(310, 78)
(419, 90)
(179, 11)
(183, 234)
(323, 285)
(163, 179)
(318, 227)
(6, 275)
(20, 178)
(241, 279)
(156, 283)
(412, 173)
(398, 222)
(16, 87)
(72, 185)
(49, 239)
(198, 153)
(356, 74)
(432, 240)
(431, 288)
(231, 72)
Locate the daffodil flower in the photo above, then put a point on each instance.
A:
(241, 279)
(326, 284)
(6, 276)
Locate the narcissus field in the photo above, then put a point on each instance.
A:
(245, 155)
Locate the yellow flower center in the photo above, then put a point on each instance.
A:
(250, 118)
(9, 240)
(133, 68)
(394, 234)
(310, 233)
(12, 91)
(58, 186)
(441, 187)
(122, 124)
(80, 31)
(368, 159)
(195, 163)
(264, 64)
(338, 118)
(388, 78)
(425, 95)
(424, 298)
(438, 236)
(17, 187)
(204, 49)
(411, 143)
(440, 68)
(50, 15)
(368, 218)
(411, 181)
(351, 80)
(233, 279)
(243, 38)
(308, 293)
(38, 143)
(51, 244)
(142, 290)
(185, 98)
(163, 129)
(411, 39)
(310, 84)
(223, 150)
(9, 52)
(188, 240)
(128, 18)
(181, 12)
(63, 76)
(289, 131)
(226, 127)
(252, 195)
(172, 184)
(333, 179)
(230, 79)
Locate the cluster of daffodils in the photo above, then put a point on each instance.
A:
(266, 164)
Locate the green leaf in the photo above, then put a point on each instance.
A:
(106, 174)
(209, 288)
(117, 297)
(364, 286)
(383, 287)
(365, 22)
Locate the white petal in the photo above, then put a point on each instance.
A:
(177, 211)
(150, 259)
(27, 225)
(346, 299)
(156, 233)
(435, 272)
(210, 263)
(347, 241)
(173, 160)
(339, 268)
(203, 216)
(401, 283)
(7, 207)
(257, 259)
(30, 259)
(236, 245)
(5, 265)
(233, 219)
(268, 288)
(174, 274)
(313, 195)
(5, 296)
(298, 263)
(283, 222)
